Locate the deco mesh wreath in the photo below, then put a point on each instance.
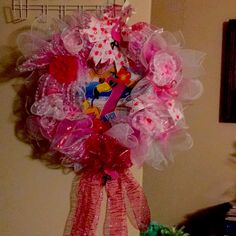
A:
(109, 96)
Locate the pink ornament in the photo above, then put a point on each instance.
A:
(165, 69)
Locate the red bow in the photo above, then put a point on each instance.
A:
(106, 163)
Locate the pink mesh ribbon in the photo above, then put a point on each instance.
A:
(106, 165)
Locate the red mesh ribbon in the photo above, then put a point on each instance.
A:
(136, 202)
(86, 198)
(107, 163)
(115, 221)
(125, 196)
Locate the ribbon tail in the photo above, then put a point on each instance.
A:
(115, 221)
(86, 198)
(136, 203)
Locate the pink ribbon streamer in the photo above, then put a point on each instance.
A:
(136, 202)
(106, 164)
(86, 201)
(115, 221)
(124, 196)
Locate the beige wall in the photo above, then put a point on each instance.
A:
(204, 175)
(34, 200)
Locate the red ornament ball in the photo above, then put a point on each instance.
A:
(64, 68)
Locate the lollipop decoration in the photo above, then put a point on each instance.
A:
(109, 96)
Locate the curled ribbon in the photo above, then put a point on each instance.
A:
(106, 164)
